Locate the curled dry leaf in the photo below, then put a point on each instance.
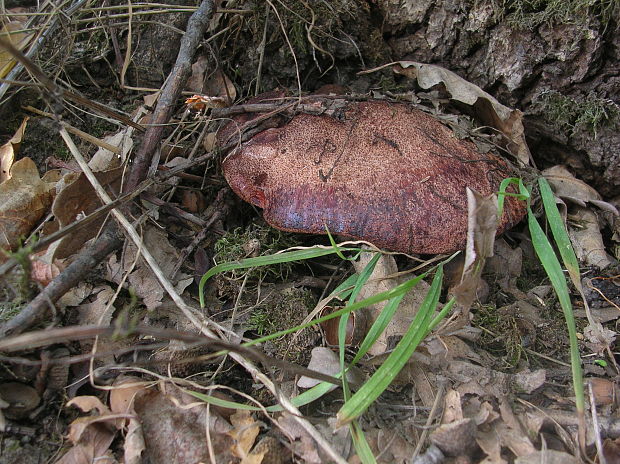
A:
(9, 150)
(326, 361)
(568, 187)
(174, 424)
(377, 171)
(24, 200)
(587, 239)
(91, 436)
(142, 279)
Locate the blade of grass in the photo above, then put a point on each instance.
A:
(277, 258)
(388, 294)
(361, 445)
(552, 267)
(523, 194)
(560, 236)
(386, 373)
(357, 435)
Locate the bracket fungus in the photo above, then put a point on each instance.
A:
(382, 172)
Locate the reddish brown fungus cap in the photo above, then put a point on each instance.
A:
(383, 172)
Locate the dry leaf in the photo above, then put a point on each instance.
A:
(482, 223)
(244, 432)
(548, 457)
(142, 279)
(568, 187)
(104, 159)
(10, 27)
(92, 435)
(43, 271)
(587, 239)
(93, 313)
(302, 444)
(93, 447)
(455, 438)
(9, 150)
(124, 393)
(219, 85)
(175, 425)
(389, 445)
(326, 361)
(24, 200)
(452, 407)
(78, 199)
(383, 279)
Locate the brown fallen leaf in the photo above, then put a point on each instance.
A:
(13, 29)
(174, 424)
(91, 436)
(9, 150)
(587, 239)
(482, 222)
(382, 172)
(24, 200)
(142, 279)
(548, 457)
(568, 187)
(77, 199)
(244, 432)
(326, 361)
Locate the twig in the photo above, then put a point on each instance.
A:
(171, 91)
(86, 332)
(34, 49)
(110, 239)
(57, 93)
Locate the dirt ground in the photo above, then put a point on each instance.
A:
(165, 327)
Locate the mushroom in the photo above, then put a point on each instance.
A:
(382, 172)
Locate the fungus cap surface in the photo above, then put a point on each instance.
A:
(383, 172)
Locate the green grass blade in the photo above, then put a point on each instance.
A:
(364, 276)
(361, 444)
(386, 373)
(552, 267)
(443, 313)
(560, 236)
(342, 324)
(382, 322)
(277, 258)
(503, 193)
(343, 290)
(388, 294)
(306, 397)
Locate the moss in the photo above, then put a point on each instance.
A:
(255, 241)
(529, 14)
(501, 336)
(284, 310)
(570, 115)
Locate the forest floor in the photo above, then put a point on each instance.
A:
(149, 314)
